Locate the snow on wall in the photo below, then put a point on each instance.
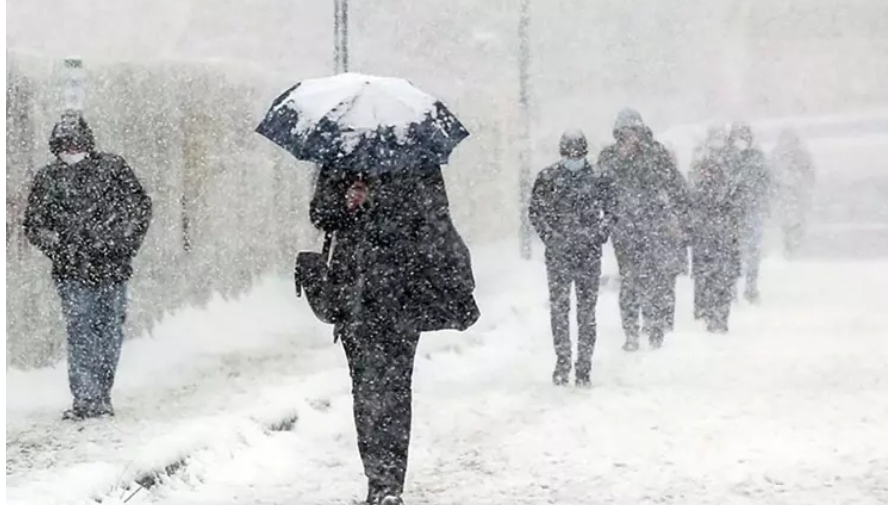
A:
(228, 205)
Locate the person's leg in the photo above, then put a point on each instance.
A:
(753, 258)
(670, 301)
(587, 284)
(655, 305)
(381, 357)
(559, 313)
(397, 397)
(630, 296)
(110, 318)
(78, 307)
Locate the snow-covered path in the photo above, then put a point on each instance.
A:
(788, 408)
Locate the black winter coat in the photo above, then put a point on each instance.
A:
(572, 212)
(719, 210)
(89, 218)
(652, 206)
(398, 257)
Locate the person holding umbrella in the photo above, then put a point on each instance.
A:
(399, 267)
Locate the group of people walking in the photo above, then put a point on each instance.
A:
(399, 267)
(658, 222)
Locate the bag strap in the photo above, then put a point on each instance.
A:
(328, 243)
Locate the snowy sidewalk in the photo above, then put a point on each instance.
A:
(788, 408)
(199, 369)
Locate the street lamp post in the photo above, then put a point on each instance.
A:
(340, 35)
(524, 234)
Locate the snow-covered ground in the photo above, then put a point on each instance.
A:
(789, 408)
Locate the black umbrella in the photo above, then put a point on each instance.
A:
(366, 123)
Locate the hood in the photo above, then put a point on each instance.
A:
(628, 118)
(71, 129)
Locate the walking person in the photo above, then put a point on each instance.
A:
(651, 202)
(88, 213)
(718, 209)
(752, 174)
(679, 223)
(398, 268)
(572, 211)
(794, 181)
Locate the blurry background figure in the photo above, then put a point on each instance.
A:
(680, 227)
(793, 188)
(752, 176)
(718, 213)
(651, 199)
(713, 144)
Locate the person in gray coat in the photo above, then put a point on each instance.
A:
(652, 201)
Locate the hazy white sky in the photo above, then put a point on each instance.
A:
(678, 60)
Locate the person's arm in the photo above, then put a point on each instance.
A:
(138, 209)
(609, 208)
(539, 208)
(38, 223)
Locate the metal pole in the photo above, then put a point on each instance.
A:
(524, 234)
(340, 35)
(337, 23)
(344, 35)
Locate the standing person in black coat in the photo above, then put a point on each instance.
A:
(399, 267)
(718, 225)
(571, 208)
(88, 213)
(651, 202)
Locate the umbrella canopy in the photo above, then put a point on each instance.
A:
(366, 123)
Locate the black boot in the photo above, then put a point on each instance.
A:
(561, 375)
(752, 296)
(583, 370)
(656, 339)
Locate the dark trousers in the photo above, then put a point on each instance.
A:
(669, 322)
(380, 358)
(752, 252)
(584, 276)
(714, 281)
(94, 317)
(645, 293)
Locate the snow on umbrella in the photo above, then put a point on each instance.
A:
(367, 123)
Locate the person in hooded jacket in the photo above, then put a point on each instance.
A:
(651, 202)
(752, 174)
(88, 213)
(571, 209)
(398, 268)
(718, 209)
